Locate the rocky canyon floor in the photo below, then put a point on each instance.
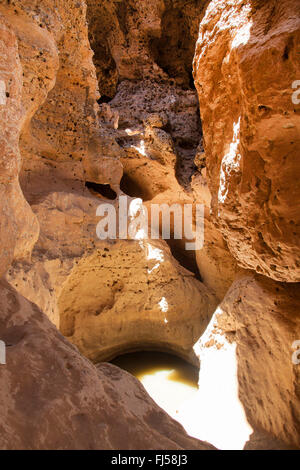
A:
(160, 103)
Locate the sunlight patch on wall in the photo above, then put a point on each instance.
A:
(243, 35)
(140, 148)
(216, 414)
(168, 394)
(230, 162)
(163, 305)
(155, 254)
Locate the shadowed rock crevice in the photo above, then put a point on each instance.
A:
(134, 188)
(174, 50)
(187, 259)
(156, 44)
(102, 189)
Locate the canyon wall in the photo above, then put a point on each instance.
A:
(245, 66)
(18, 226)
(52, 397)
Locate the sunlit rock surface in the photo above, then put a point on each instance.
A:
(133, 296)
(18, 226)
(245, 65)
(247, 370)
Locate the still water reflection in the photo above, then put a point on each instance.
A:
(170, 381)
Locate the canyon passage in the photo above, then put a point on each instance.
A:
(188, 107)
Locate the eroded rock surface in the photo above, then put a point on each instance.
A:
(18, 226)
(245, 66)
(131, 296)
(144, 138)
(54, 398)
(68, 149)
(259, 319)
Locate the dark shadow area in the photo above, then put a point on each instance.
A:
(174, 50)
(98, 31)
(261, 440)
(132, 188)
(104, 99)
(103, 189)
(187, 259)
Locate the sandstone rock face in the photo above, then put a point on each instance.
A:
(57, 120)
(59, 142)
(260, 318)
(110, 297)
(18, 226)
(217, 266)
(159, 133)
(245, 66)
(133, 296)
(63, 147)
(251, 136)
(159, 125)
(54, 398)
